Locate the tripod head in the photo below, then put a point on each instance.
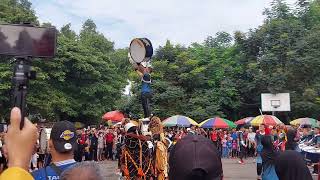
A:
(22, 73)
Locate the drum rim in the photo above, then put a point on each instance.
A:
(151, 47)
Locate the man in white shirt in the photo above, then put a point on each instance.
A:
(251, 138)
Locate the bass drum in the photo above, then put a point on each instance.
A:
(132, 62)
(141, 50)
(43, 140)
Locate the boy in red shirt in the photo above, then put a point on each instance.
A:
(214, 136)
(109, 142)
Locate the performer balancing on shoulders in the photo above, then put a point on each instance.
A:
(144, 73)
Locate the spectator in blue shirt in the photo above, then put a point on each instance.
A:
(234, 134)
(62, 143)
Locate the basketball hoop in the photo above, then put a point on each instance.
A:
(275, 103)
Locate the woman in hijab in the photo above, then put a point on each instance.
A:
(291, 144)
(290, 165)
(268, 156)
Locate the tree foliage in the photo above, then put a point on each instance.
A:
(224, 75)
(81, 83)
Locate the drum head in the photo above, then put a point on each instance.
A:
(141, 50)
(132, 62)
(137, 51)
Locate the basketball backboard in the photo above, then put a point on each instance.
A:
(275, 102)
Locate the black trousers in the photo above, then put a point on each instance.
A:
(259, 169)
(145, 100)
(242, 152)
(251, 151)
(79, 153)
(215, 143)
(109, 150)
(93, 153)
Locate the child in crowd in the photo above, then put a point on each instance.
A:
(229, 145)
(224, 147)
(234, 148)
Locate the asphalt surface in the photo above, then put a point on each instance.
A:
(231, 169)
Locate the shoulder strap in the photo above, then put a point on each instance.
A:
(56, 169)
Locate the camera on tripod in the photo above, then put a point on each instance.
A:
(25, 42)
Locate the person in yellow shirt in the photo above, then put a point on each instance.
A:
(20, 145)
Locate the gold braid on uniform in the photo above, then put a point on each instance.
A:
(136, 158)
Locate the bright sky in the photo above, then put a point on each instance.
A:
(181, 21)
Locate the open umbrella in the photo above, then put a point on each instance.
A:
(217, 122)
(265, 119)
(180, 121)
(303, 121)
(114, 116)
(242, 121)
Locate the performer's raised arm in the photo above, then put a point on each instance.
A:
(140, 70)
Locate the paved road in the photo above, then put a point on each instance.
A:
(232, 170)
(109, 169)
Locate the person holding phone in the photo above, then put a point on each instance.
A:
(19, 147)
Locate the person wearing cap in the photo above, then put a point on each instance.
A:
(195, 158)
(307, 133)
(62, 143)
(136, 159)
(315, 141)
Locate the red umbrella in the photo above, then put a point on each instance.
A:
(113, 116)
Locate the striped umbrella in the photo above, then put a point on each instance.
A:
(265, 119)
(303, 121)
(180, 121)
(242, 121)
(217, 122)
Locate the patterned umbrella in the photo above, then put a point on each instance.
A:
(246, 120)
(217, 122)
(302, 121)
(114, 116)
(265, 119)
(178, 120)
